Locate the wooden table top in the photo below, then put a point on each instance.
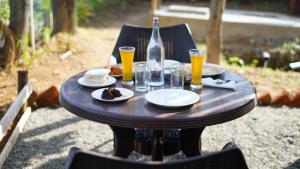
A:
(216, 106)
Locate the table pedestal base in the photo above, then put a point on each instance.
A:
(157, 143)
(123, 139)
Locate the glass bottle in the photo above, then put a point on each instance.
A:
(155, 58)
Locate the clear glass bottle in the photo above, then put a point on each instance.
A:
(155, 58)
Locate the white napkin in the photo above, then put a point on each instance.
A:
(214, 83)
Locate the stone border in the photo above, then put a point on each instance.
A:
(284, 98)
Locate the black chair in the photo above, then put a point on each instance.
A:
(177, 41)
(230, 158)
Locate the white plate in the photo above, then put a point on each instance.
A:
(116, 76)
(110, 81)
(126, 94)
(167, 64)
(172, 98)
(208, 71)
(212, 70)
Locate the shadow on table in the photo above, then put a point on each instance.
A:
(294, 165)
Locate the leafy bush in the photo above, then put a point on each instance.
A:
(291, 48)
(283, 55)
(235, 60)
(254, 63)
(87, 8)
(46, 35)
(42, 10)
(26, 58)
(4, 10)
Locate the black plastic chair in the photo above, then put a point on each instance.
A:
(177, 41)
(231, 158)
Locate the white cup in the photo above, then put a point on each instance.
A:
(96, 75)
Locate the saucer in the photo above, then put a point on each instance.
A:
(126, 94)
(108, 82)
(172, 98)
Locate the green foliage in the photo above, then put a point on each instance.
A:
(4, 10)
(27, 56)
(46, 34)
(235, 60)
(42, 9)
(45, 5)
(25, 59)
(254, 63)
(87, 8)
(291, 48)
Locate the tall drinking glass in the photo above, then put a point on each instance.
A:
(177, 76)
(127, 54)
(197, 61)
(140, 77)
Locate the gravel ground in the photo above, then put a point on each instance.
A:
(269, 138)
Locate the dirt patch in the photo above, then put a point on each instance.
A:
(273, 81)
(91, 46)
(8, 90)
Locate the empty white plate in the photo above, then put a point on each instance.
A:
(208, 71)
(168, 64)
(172, 98)
(109, 81)
(212, 70)
(126, 94)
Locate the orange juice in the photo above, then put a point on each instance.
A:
(127, 61)
(197, 65)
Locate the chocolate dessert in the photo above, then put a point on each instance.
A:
(115, 92)
(110, 93)
(106, 94)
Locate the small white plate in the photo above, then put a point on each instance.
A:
(172, 98)
(212, 70)
(116, 76)
(208, 71)
(126, 94)
(168, 65)
(109, 81)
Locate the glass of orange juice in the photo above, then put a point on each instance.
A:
(197, 60)
(127, 54)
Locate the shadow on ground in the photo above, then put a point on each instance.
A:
(294, 165)
(50, 127)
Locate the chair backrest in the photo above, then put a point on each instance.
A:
(225, 159)
(177, 41)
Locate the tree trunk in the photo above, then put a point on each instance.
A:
(214, 32)
(7, 46)
(19, 21)
(64, 16)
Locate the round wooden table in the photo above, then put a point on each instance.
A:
(152, 130)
